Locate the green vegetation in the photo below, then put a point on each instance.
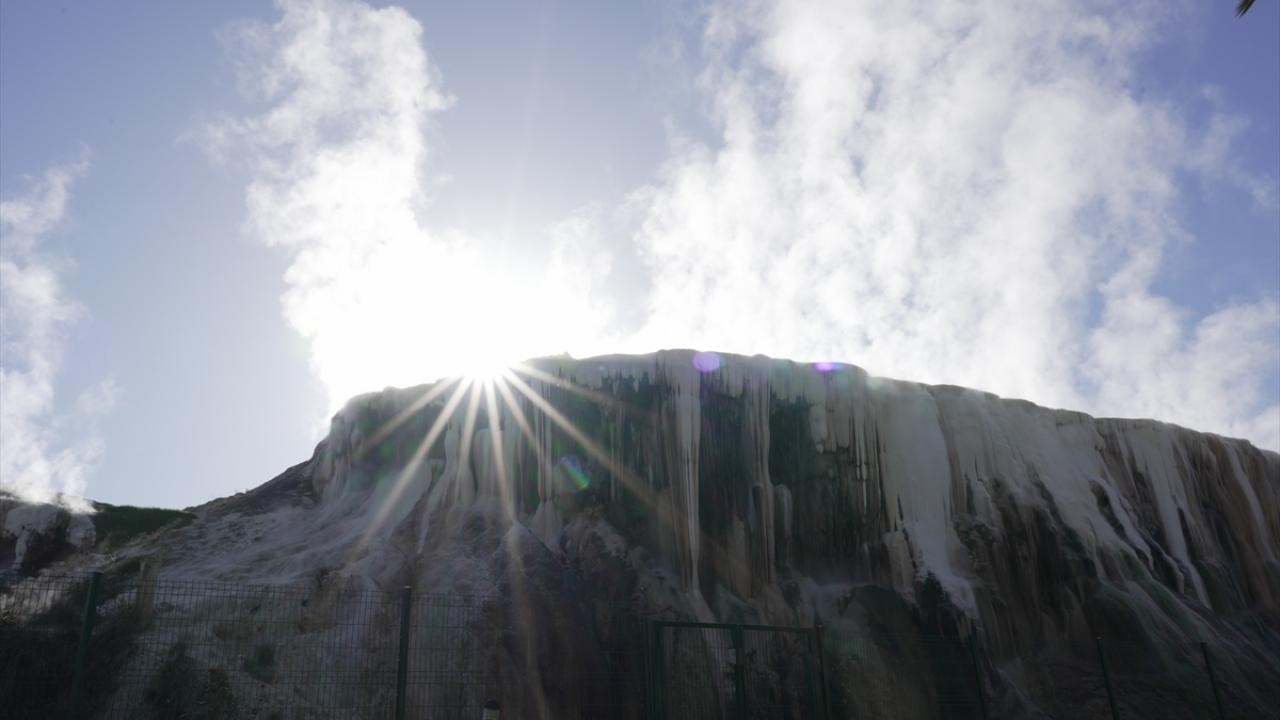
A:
(118, 524)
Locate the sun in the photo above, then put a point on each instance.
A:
(486, 369)
(388, 323)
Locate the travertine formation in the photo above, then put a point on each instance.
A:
(737, 487)
(33, 535)
(728, 488)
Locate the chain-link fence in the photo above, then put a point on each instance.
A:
(139, 647)
(877, 675)
(1113, 679)
(39, 640)
(706, 670)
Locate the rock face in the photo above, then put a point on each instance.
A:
(35, 535)
(734, 489)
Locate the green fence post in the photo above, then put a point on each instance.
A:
(822, 673)
(650, 705)
(739, 672)
(659, 674)
(86, 635)
(977, 676)
(1213, 682)
(1106, 677)
(402, 667)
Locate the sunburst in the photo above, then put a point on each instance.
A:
(504, 392)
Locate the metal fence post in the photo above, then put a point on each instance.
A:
(1106, 677)
(402, 667)
(822, 673)
(86, 635)
(1213, 682)
(650, 711)
(977, 677)
(659, 675)
(739, 672)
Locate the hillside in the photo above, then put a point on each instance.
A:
(752, 490)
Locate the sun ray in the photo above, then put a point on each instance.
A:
(468, 434)
(410, 468)
(517, 414)
(618, 470)
(390, 426)
(640, 489)
(464, 449)
(499, 450)
(583, 392)
(516, 573)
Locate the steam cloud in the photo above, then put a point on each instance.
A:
(340, 157)
(960, 192)
(45, 456)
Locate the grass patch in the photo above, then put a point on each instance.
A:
(118, 524)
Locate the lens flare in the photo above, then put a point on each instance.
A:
(706, 362)
(575, 471)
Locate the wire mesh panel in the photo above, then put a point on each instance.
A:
(196, 650)
(614, 689)
(872, 674)
(464, 651)
(233, 651)
(1244, 690)
(954, 678)
(694, 666)
(447, 669)
(731, 672)
(39, 638)
(1067, 686)
(780, 673)
(138, 646)
(171, 648)
(1142, 682)
(1149, 683)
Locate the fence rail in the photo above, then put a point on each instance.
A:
(138, 646)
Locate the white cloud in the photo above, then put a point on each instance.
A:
(39, 459)
(961, 192)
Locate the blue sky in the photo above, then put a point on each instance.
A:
(1070, 203)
